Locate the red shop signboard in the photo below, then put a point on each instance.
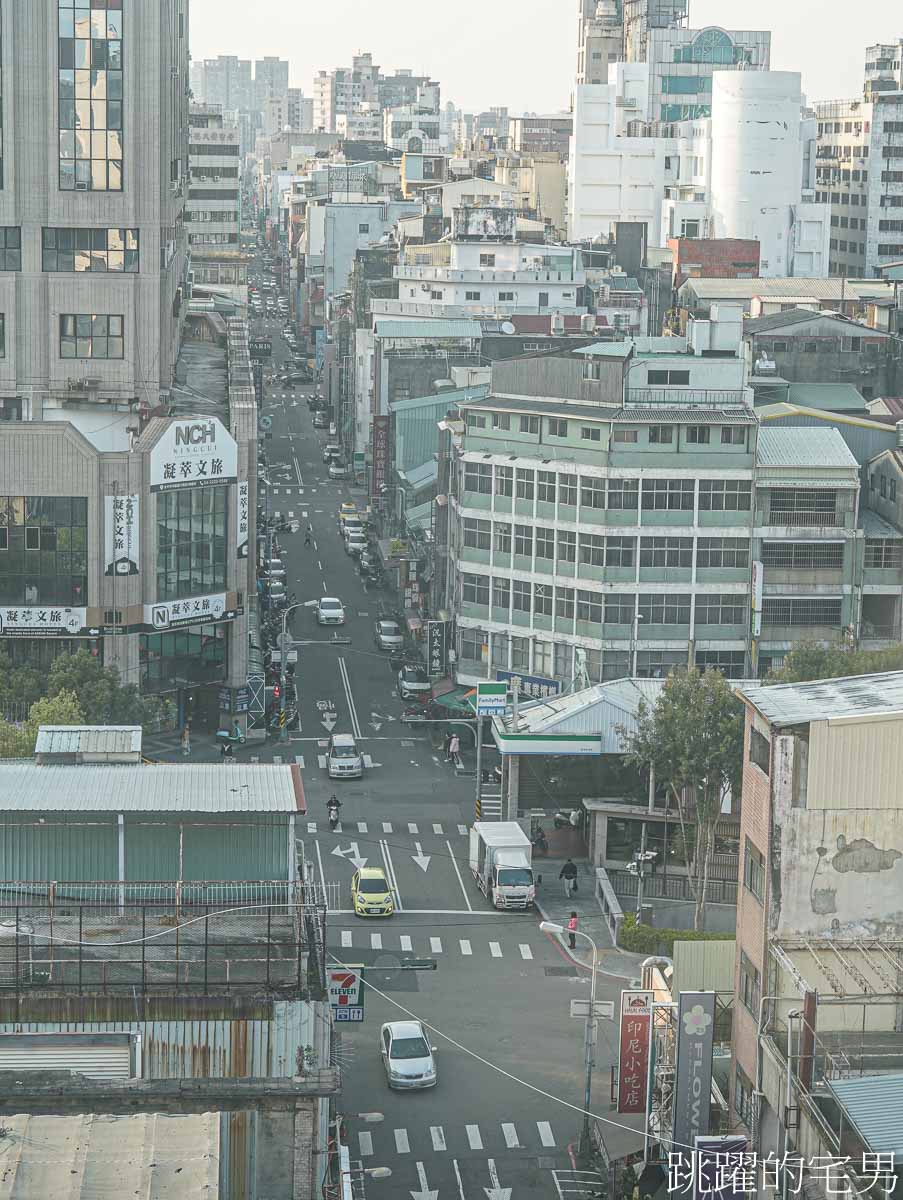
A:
(380, 455)
(633, 1061)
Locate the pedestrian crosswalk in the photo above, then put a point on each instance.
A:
(411, 827)
(455, 1139)
(383, 939)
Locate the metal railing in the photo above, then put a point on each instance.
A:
(678, 396)
(671, 887)
(611, 908)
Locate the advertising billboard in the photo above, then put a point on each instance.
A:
(633, 1057)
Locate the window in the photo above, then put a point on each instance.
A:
(668, 378)
(476, 420)
(501, 593)
(564, 603)
(802, 506)
(665, 609)
(725, 495)
(504, 481)
(731, 609)
(743, 1098)
(529, 424)
(592, 549)
(191, 542)
(731, 663)
(567, 490)
(666, 552)
(592, 492)
(722, 552)
(43, 550)
(3, 355)
(623, 493)
(487, 260)
(624, 437)
(733, 435)
(523, 540)
(477, 534)
(363, 228)
(543, 299)
(502, 534)
(754, 866)
(90, 96)
(749, 986)
(591, 433)
(10, 248)
(89, 250)
(522, 592)
(478, 478)
(619, 551)
(658, 664)
(883, 552)
(542, 599)
(503, 296)
(661, 435)
(471, 295)
(89, 335)
(545, 486)
(668, 494)
(474, 645)
(882, 486)
(567, 545)
(698, 435)
(803, 556)
(435, 295)
(475, 589)
(520, 651)
(501, 421)
(545, 543)
(557, 428)
(781, 610)
(524, 483)
(589, 607)
(620, 609)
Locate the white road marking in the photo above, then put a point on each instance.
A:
(462, 829)
(320, 865)
(437, 829)
(412, 828)
(525, 951)
(376, 941)
(437, 1133)
(291, 515)
(362, 826)
(510, 1135)
(390, 872)
(311, 826)
(406, 943)
(495, 950)
(465, 946)
(451, 855)
(436, 945)
(299, 759)
(473, 1137)
(346, 683)
(365, 1141)
(346, 938)
(321, 761)
(324, 587)
(387, 826)
(401, 1141)
(545, 1133)
(458, 1178)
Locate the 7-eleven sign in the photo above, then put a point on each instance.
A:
(345, 986)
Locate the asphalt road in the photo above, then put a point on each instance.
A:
(510, 1058)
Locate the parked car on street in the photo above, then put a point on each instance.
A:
(339, 470)
(331, 451)
(343, 759)
(330, 611)
(355, 542)
(413, 683)
(388, 635)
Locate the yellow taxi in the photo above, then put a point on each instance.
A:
(371, 895)
(347, 509)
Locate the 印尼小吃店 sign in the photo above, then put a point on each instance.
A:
(242, 518)
(633, 1059)
(198, 453)
(170, 613)
(39, 620)
(121, 534)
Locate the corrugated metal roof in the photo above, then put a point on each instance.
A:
(418, 477)
(607, 349)
(782, 446)
(448, 396)
(427, 327)
(873, 1103)
(874, 526)
(88, 739)
(840, 397)
(602, 711)
(164, 787)
(653, 414)
(852, 696)
(787, 288)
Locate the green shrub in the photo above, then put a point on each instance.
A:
(646, 939)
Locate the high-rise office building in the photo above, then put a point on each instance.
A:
(225, 80)
(270, 79)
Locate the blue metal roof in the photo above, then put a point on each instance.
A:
(873, 1104)
(428, 327)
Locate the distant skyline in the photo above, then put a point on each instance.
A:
(483, 56)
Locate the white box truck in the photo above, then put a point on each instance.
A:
(501, 862)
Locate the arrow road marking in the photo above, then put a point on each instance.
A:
(424, 1192)
(495, 1192)
(355, 853)
(330, 719)
(422, 860)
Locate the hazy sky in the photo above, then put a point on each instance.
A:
(522, 55)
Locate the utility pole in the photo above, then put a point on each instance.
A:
(644, 854)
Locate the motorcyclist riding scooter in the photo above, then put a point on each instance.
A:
(332, 810)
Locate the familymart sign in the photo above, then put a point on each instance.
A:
(545, 743)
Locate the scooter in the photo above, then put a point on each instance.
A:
(572, 817)
(233, 737)
(332, 810)
(540, 842)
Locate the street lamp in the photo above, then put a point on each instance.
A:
(283, 655)
(583, 1146)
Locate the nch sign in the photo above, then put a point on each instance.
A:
(193, 454)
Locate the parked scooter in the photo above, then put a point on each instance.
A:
(572, 817)
(540, 842)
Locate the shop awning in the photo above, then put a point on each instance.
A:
(458, 698)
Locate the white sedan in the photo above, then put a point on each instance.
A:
(407, 1055)
(330, 611)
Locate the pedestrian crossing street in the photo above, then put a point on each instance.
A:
(532, 1136)
(431, 945)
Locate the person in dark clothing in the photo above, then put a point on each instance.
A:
(569, 874)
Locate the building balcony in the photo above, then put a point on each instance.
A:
(438, 308)
(431, 274)
(677, 396)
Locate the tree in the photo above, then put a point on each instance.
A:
(19, 686)
(693, 739)
(835, 660)
(18, 741)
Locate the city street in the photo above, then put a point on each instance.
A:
(497, 1003)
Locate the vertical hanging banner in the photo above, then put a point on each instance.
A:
(693, 1072)
(121, 535)
(242, 518)
(633, 1060)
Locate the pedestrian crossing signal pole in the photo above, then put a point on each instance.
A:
(479, 789)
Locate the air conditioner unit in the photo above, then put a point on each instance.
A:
(89, 385)
(81, 186)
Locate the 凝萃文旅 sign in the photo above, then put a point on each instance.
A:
(197, 453)
(196, 611)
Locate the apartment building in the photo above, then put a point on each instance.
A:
(536, 133)
(293, 111)
(225, 80)
(600, 34)
(270, 80)
(343, 89)
(213, 208)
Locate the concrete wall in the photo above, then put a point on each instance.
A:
(562, 378)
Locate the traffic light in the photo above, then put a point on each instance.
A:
(277, 691)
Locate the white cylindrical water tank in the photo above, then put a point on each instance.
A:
(756, 160)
